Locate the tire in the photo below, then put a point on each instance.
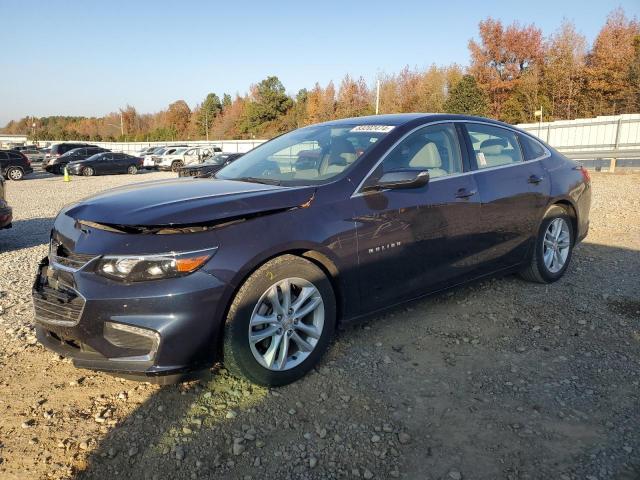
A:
(132, 170)
(538, 270)
(15, 173)
(244, 358)
(88, 172)
(175, 166)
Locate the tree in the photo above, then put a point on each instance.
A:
(226, 101)
(634, 77)
(178, 116)
(268, 102)
(466, 98)
(209, 110)
(354, 98)
(502, 56)
(564, 74)
(129, 119)
(321, 103)
(608, 65)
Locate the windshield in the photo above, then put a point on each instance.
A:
(306, 156)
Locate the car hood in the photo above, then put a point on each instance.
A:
(186, 201)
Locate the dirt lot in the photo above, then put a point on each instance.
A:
(502, 379)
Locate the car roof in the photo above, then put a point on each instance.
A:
(398, 119)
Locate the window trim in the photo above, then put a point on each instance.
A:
(358, 190)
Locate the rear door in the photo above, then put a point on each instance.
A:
(510, 192)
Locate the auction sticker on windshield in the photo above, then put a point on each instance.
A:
(373, 128)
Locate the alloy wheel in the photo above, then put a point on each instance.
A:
(87, 171)
(132, 170)
(15, 174)
(556, 245)
(286, 324)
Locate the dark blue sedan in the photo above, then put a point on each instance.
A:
(322, 225)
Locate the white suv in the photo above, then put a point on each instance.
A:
(185, 156)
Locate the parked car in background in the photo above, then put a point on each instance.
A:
(34, 155)
(150, 160)
(14, 165)
(56, 165)
(210, 166)
(258, 267)
(105, 163)
(147, 151)
(60, 149)
(186, 156)
(6, 214)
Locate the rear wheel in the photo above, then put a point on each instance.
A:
(132, 170)
(553, 248)
(15, 173)
(88, 171)
(280, 322)
(177, 165)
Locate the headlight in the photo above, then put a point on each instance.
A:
(139, 268)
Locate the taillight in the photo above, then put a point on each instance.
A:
(585, 174)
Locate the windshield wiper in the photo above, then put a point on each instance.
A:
(266, 181)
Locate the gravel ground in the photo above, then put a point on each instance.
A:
(501, 379)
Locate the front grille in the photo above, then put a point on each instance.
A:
(58, 307)
(61, 255)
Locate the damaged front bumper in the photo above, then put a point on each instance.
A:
(159, 331)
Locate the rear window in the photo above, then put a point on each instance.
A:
(15, 156)
(531, 148)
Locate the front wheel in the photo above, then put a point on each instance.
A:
(553, 248)
(280, 322)
(88, 171)
(177, 165)
(132, 170)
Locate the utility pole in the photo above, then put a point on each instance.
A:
(121, 124)
(377, 97)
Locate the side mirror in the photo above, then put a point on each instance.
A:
(401, 179)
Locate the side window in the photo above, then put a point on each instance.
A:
(532, 149)
(434, 148)
(3, 156)
(493, 146)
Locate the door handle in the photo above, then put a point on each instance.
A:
(464, 193)
(535, 179)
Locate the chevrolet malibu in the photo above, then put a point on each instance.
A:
(325, 224)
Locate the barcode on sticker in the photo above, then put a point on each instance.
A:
(373, 128)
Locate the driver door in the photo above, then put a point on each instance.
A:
(415, 240)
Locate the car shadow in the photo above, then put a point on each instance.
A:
(26, 234)
(462, 384)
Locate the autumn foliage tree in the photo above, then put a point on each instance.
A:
(608, 83)
(502, 56)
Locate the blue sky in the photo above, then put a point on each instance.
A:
(91, 57)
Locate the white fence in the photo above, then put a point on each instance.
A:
(589, 134)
